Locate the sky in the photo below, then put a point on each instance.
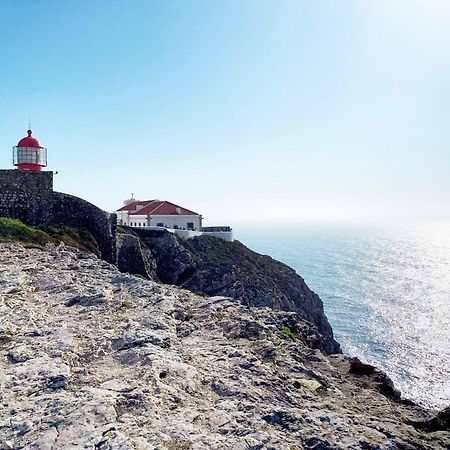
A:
(245, 111)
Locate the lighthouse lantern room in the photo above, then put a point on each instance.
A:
(29, 154)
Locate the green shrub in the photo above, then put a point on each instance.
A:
(74, 237)
(13, 230)
(122, 229)
(288, 333)
(211, 250)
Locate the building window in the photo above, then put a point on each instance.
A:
(190, 225)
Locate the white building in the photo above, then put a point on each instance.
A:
(157, 214)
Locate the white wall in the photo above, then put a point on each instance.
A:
(181, 221)
(187, 234)
(225, 235)
(168, 221)
(122, 217)
(134, 221)
(141, 222)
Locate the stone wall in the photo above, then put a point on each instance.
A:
(29, 196)
(78, 213)
(26, 195)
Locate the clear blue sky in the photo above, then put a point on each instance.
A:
(242, 110)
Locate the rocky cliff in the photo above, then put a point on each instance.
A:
(215, 267)
(91, 358)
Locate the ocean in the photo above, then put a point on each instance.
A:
(386, 292)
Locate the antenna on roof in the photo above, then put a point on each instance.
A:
(29, 123)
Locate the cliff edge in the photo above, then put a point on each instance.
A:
(94, 358)
(212, 266)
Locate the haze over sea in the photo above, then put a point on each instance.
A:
(386, 292)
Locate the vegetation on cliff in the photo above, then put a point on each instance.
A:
(13, 230)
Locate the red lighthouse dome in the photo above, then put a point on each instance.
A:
(29, 141)
(29, 154)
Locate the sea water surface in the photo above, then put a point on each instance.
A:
(386, 292)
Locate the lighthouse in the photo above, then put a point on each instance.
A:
(29, 154)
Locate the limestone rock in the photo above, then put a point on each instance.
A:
(175, 370)
(215, 267)
(133, 257)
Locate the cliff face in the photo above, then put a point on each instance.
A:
(215, 267)
(91, 358)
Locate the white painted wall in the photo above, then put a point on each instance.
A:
(168, 221)
(122, 217)
(225, 235)
(172, 221)
(187, 234)
(140, 222)
(134, 220)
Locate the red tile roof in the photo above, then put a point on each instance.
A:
(158, 208)
(133, 205)
(147, 209)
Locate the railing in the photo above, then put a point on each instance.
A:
(217, 229)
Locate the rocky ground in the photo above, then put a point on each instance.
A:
(218, 268)
(91, 358)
